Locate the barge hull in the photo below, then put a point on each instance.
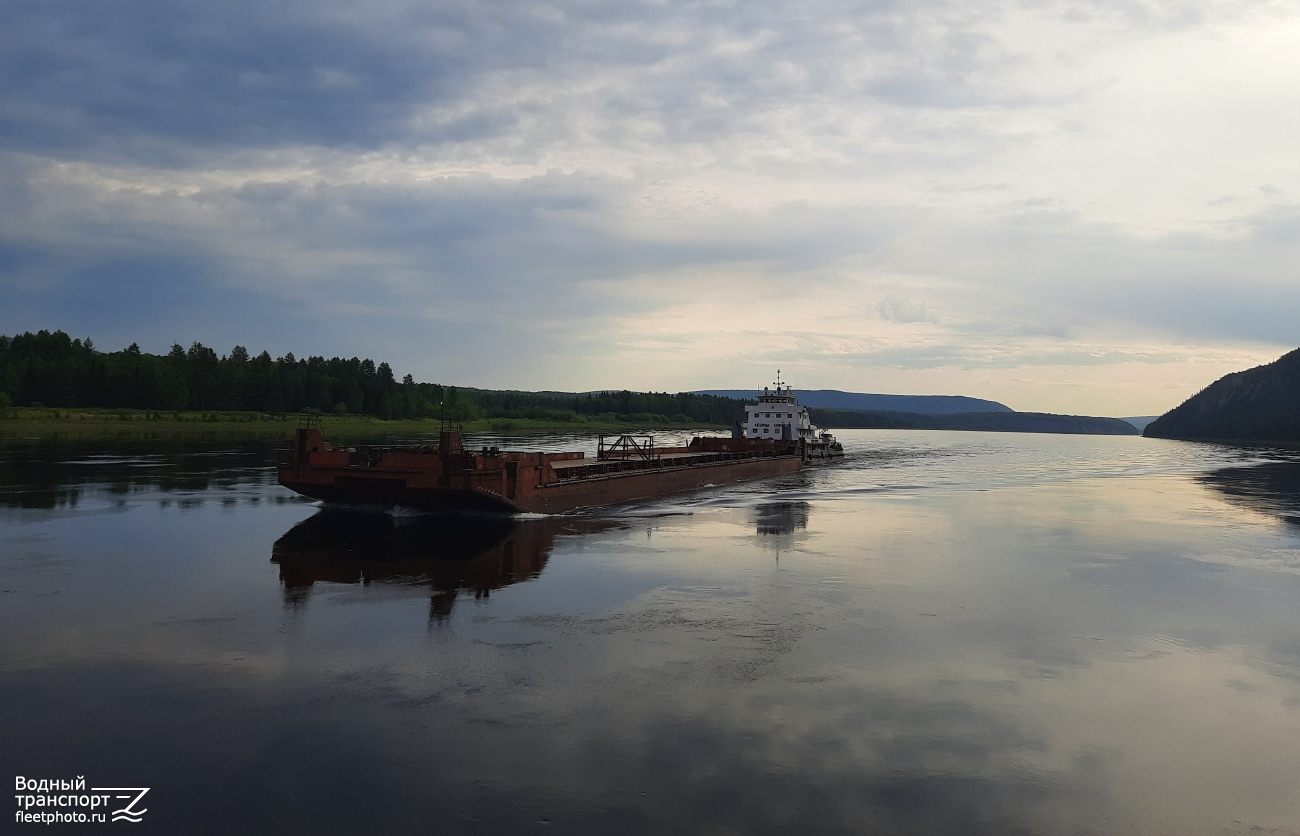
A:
(449, 478)
(612, 490)
(424, 499)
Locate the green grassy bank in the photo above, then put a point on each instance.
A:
(92, 423)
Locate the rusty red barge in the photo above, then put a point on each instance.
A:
(450, 477)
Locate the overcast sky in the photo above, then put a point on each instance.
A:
(1088, 207)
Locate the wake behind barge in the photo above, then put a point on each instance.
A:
(449, 477)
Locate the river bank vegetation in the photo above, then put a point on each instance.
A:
(54, 385)
(56, 372)
(1017, 422)
(92, 423)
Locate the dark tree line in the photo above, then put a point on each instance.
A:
(624, 405)
(52, 369)
(1020, 422)
(55, 370)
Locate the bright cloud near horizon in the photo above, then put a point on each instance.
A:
(1083, 207)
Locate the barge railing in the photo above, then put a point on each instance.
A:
(627, 447)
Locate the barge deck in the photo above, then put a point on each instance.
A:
(450, 477)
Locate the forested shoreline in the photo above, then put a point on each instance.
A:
(52, 369)
(55, 371)
(1022, 422)
(1259, 404)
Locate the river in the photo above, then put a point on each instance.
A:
(946, 633)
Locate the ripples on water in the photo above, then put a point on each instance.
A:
(945, 633)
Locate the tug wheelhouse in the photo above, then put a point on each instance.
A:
(778, 416)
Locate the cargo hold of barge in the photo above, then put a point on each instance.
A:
(452, 478)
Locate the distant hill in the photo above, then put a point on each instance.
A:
(835, 399)
(1140, 421)
(1259, 404)
(1011, 422)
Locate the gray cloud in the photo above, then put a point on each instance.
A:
(470, 175)
(894, 309)
(163, 81)
(154, 80)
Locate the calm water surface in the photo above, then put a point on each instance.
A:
(946, 633)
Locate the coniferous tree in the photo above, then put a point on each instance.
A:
(53, 369)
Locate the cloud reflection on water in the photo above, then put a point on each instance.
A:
(1001, 646)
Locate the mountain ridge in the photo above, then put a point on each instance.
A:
(871, 402)
(1258, 404)
(1022, 422)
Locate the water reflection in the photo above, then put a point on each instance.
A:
(448, 554)
(1269, 488)
(36, 476)
(993, 635)
(776, 518)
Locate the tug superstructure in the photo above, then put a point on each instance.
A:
(779, 416)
